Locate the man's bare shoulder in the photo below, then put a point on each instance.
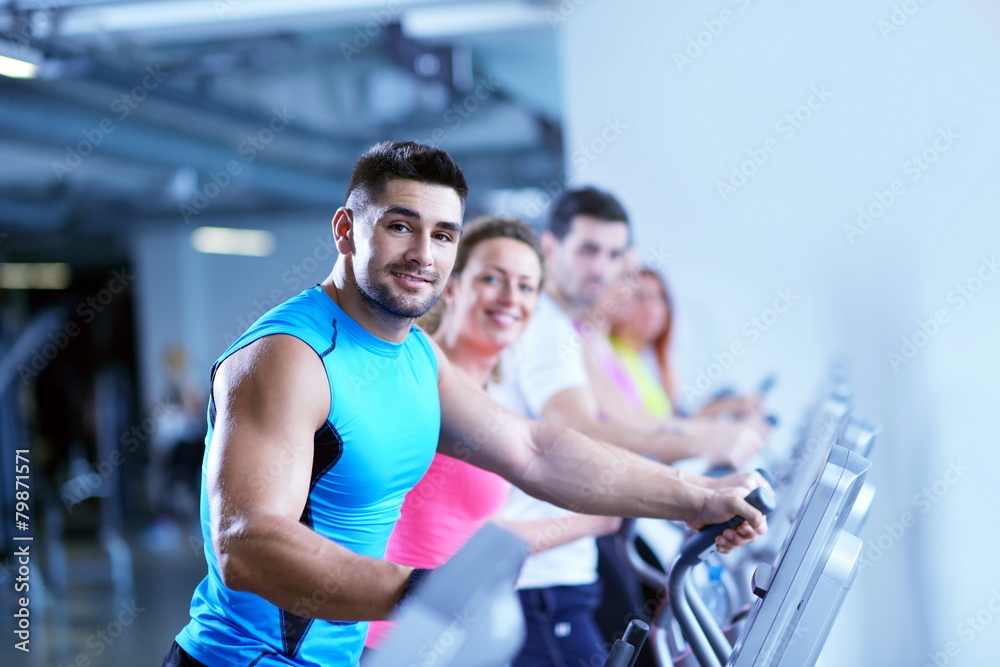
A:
(277, 370)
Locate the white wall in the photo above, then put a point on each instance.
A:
(673, 129)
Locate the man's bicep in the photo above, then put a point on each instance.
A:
(268, 407)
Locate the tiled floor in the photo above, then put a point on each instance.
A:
(92, 625)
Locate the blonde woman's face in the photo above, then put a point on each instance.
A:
(496, 294)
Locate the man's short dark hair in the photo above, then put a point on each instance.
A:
(403, 159)
(583, 201)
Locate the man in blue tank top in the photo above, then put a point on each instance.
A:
(329, 409)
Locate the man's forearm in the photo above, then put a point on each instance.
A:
(573, 471)
(301, 571)
(542, 534)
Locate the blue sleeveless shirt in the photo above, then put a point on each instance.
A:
(377, 442)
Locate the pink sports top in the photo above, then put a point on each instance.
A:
(439, 515)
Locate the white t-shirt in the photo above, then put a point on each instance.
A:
(546, 360)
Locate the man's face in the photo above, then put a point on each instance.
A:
(588, 259)
(404, 246)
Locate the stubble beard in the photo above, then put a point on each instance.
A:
(379, 295)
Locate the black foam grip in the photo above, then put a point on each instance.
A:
(696, 546)
(768, 477)
(635, 635)
(620, 655)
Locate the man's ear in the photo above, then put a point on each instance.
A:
(343, 230)
(448, 294)
(549, 244)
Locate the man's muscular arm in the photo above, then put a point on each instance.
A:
(270, 402)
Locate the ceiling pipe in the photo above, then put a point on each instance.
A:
(81, 132)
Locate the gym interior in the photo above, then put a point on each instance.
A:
(816, 182)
